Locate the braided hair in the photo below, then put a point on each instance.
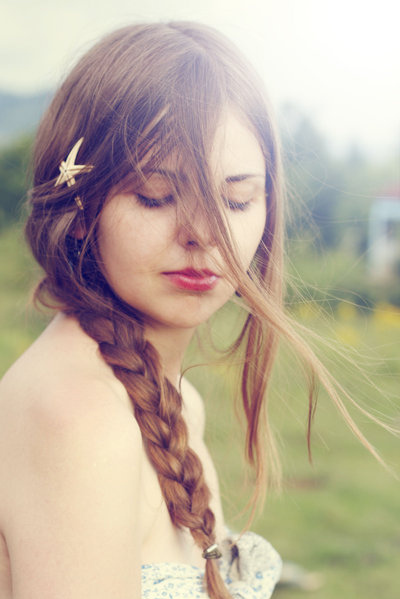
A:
(140, 94)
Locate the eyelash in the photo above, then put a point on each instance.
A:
(237, 205)
(153, 202)
(159, 203)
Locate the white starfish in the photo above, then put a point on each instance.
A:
(68, 168)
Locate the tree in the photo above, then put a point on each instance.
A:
(314, 179)
(14, 179)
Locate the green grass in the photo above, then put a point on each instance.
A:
(19, 323)
(339, 517)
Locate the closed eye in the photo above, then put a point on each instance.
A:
(154, 202)
(232, 205)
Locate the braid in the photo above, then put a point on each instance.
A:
(158, 411)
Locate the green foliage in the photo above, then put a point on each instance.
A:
(18, 323)
(329, 197)
(339, 516)
(14, 180)
(313, 178)
(330, 277)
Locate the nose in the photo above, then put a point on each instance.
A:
(193, 230)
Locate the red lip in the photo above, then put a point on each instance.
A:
(191, 279)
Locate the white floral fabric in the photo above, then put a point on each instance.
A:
(249, 565)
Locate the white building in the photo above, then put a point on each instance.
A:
(384, 238)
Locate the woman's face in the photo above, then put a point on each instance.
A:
(171, 272)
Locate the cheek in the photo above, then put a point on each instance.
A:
(132, 240)
(248, 231)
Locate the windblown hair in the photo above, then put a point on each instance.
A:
(141, 94)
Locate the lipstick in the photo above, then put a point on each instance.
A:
(190, 279)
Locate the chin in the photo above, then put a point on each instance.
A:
(180, 323)
(185, 311)
(183, 319)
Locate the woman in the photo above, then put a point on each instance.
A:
(157, 198)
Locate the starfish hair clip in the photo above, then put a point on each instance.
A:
(68, 170)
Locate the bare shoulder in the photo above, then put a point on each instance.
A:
(62, 370)
(193, 407)
(61, 398)
(70, 472)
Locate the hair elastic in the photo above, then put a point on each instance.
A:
(212, 552)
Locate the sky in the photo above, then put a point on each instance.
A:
(337, 60)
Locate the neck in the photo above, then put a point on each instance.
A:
(171, 344)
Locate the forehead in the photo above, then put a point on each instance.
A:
(235, 150)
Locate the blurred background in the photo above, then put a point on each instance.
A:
(333, 73)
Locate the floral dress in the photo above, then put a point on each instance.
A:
(249, 565)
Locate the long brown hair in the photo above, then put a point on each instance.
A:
(140, 94)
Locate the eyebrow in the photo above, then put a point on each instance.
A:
(180, 176)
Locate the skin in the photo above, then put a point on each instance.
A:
(138, 243)
(80, 504)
